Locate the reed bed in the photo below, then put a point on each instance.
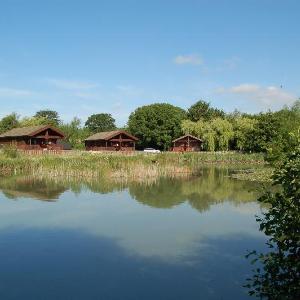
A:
(117, 165)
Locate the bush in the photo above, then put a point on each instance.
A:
(279, 274)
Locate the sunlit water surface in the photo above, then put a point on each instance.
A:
(165, 239)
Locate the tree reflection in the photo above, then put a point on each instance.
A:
(32, 187)
(212, 186)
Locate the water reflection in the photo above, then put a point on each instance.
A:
(213, 186)
(32, 187)
(162, 239)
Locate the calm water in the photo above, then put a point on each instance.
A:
(169, 239)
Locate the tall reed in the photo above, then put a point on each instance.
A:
(137, 165)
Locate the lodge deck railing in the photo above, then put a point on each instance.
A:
(99, 148)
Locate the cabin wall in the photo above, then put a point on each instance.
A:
(184, 145)
(24, 143)
(102, 145)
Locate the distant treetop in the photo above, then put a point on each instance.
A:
(202, 110)
(100, 122)
(51, 115)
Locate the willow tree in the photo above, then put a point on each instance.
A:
(201, 129)
(224, 133)
(188, 127)
(209, 137)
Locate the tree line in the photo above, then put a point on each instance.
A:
(156, 125)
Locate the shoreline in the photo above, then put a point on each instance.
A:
(111, 165)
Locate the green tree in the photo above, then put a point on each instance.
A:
(278, 275)
(202, 110)
(35, 121)
(264, 134)
(100, 122)
(224, 133)
(51, 115)
(203, 130)
(243, 127)
(75, 134)
(289, 125)
(188, 127)
(9, 122)
(156, 125)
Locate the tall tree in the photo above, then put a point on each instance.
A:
(202, 110)
(264, 134)
(51, 115)
(9, 122)
(100, 122)
(243, 127)
(224, 133)
(156, 125)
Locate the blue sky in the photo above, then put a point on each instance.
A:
(82, 57)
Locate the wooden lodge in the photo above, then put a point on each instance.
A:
(117, 140)
(187, 143)
(33, 138)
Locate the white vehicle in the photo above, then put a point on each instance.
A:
(151, 150)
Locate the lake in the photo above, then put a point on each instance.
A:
(181, 238)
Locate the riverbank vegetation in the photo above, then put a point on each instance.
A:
(136, 165)
(277, 272)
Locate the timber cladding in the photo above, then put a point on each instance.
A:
(33, 138)
(187, 143)
(117, 140)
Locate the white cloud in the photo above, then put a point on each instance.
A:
(192, 59)
(269, 97)
(71, 84)
(11, 92)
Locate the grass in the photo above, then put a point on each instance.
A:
(137, 165)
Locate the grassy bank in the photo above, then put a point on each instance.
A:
(137, 165)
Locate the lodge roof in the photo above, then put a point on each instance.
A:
(187, 135)
(29, 131)
(107, 135)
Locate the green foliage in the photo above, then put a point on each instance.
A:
(74, 133)
(216, 133)
(202, 110)
(138, 166)
(243, 127)
(10, 151)
(156, 125)
(51, 115)
(100, 122)
(9, 122)
(279, 274)
(224, 133)
(264, 133)
(35, 121)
